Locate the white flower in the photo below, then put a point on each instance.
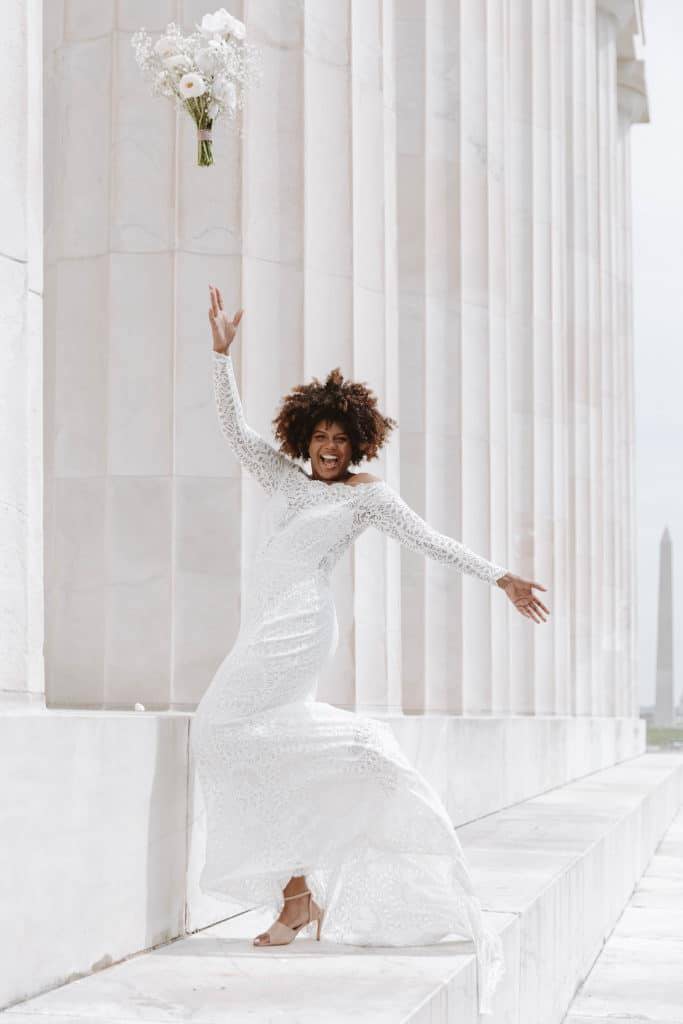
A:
(192, 85)
(139, 707)
(237, 29)
(180, 62)
(165, 46)
(222, 23)
(213, 110)
(211, 56)
(224, 91)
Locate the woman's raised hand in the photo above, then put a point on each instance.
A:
(223, 328)
(520, 593)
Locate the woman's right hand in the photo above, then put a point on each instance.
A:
(223, 328)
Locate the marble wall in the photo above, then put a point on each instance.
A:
(22, 680)
(433, 195)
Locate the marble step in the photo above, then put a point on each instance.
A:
(638, 977)
(554, 874)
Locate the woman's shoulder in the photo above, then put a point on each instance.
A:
(365, 478)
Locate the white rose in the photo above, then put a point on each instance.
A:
(217, 22)
(165, 46)
(192, 85)
(222, 23)
(237, 29)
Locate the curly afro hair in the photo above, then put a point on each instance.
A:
(347, 402)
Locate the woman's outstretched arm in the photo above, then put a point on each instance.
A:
(256, 454)
(385, 509)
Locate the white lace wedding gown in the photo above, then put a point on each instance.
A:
(295, 786)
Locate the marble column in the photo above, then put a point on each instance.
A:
(632, 111)
(559, 569)
(664, 683)
(22, 680)
(607, 156)
(500, 353)
(545, 50)
(520, 220)
(411, 169)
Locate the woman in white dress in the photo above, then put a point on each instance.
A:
(314, 811)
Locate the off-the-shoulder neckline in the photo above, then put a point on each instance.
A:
(340, 483)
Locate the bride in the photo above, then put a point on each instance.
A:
(314, 811)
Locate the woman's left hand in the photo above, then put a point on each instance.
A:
(520, 593)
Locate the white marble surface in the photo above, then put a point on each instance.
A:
(22, 678)
(93, 820)
(638, 977)
(216, 975)
(553, 873)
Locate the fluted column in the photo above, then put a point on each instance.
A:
(594, 694)
(579, 367)
(560, 582)
(373, 331)
(521, 552)
(21, 374)
(494, 157)
(411, 161)
(607, 122)
(632, 109)
(622, 101)
(392, 379)
(447, 172)
(476, 236)
(543, 362)
(623, 556)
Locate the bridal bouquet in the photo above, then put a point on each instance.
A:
(205, 73)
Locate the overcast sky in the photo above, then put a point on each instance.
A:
(657, 169)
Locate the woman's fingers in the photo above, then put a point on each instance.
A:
(218, 307)
(537, 604)
(532, 608)
(216, 298)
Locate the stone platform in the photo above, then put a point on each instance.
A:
(554, 873)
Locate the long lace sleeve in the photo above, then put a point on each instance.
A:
(385, 509)
(256, 454)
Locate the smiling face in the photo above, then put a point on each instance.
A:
(329, 451)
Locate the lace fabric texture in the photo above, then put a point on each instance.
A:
(296, 786)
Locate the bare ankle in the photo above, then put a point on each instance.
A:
(295, 886)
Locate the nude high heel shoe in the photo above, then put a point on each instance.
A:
(280, 934)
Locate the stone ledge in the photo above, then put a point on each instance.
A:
(553, 872)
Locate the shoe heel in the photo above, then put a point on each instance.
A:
(320, 922)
